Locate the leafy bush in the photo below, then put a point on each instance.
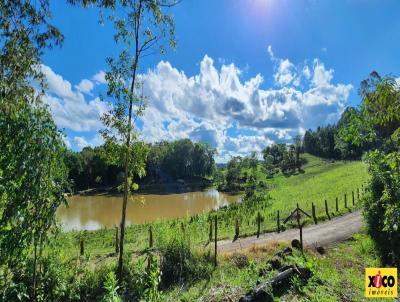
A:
(179, 264)
(382, 205)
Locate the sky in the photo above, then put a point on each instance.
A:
(245, 74)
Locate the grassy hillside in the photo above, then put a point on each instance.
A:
(321, 180)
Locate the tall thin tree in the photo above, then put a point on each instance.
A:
(143, 27)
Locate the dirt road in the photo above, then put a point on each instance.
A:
(324, 233)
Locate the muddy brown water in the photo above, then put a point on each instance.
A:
(98, 211)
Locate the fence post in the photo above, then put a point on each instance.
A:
(236, 229)
(313, 213)
(82, 248)
(358, 194)
(327, 210)
(183, 229)
(116, 240)
(352, 196)
(210, 232)
(278, 223)
(215, 239)
(150, 236)
(300, 227)
(345, 200)
(258, 224)
(337, 204)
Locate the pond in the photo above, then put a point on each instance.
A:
(92, 212)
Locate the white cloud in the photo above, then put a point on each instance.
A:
(66, 142)
(69, 107)
(82, 142)
(99, 77)
(204, 106)
(306, 72)
(285, 73)
(322, 77)
(85, 86)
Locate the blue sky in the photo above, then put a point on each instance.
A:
(246, 73)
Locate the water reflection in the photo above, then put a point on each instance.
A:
(95, 212)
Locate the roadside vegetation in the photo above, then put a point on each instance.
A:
(170, 260)
(337, 275)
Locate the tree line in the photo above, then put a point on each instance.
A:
(327, 142)
(164, 162)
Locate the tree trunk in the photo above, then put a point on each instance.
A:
(33, 298)
(128, 143)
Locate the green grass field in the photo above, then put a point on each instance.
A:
(321, 180)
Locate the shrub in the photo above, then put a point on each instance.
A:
(179, 264)
(382, 206)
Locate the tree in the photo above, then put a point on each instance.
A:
(298, 149)
(378, 123)
(233, 174)
(32, 174)
(141, 26)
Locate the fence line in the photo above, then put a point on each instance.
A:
(245, 221)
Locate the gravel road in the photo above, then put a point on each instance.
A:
(321, 234)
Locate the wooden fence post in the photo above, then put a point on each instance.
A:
(236, 229)
(327, 210)
(300, 227)
(278, 223)
(352, 196)
(116, 240)
(258, 224)
(358, 194)
(215, 239)
(150, 236)
(337, 204)
(82, 248)
(313, 213)
(183, 230)
(210, 232)
(345, 200)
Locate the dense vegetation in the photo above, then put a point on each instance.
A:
(164, 162)
(378, 123)
(327, 142)
(38, 263)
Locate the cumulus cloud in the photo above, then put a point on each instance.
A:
(100, 77)
(82, 142)
(204, 106)
(85, 86)
(69, 107)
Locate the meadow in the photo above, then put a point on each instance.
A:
(321, 180)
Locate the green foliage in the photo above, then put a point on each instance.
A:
(382, 206)
(25, 31)
(180, 159)
(378, 123)
(32, 178)
(283, 157)
(111, 288)
(180, 265)
(233, 174)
